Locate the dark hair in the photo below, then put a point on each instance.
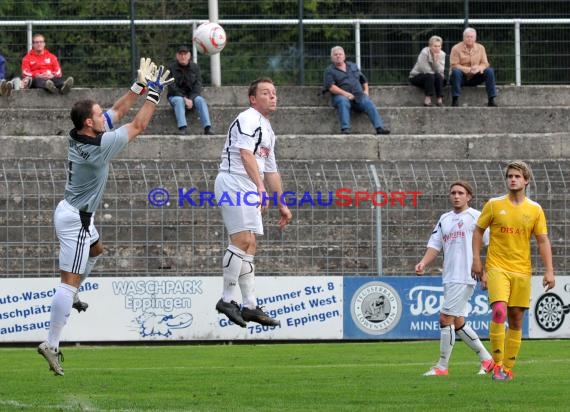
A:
(465, 185)
(253, 85)
(81, 111)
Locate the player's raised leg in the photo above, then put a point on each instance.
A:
(232, 263)
(95, 250)
(250, 311)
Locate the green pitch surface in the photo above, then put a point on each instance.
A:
(378, 376)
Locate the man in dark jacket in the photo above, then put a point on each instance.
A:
(184, 93)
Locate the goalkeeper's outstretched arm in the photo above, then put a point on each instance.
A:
(122, 106)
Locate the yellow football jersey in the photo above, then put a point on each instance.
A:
(511, 227)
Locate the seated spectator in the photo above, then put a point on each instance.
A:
(469, 67)
(6, 86)
(184, 93)
(349, 90)
(41, 69)
(428, 72)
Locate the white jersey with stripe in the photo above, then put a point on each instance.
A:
(454, 234)
(88, 164)
(252, 131)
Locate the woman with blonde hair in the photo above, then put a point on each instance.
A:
(429, 69)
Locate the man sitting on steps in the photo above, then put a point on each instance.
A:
(41, 69)
(469, 67)
(349, 89)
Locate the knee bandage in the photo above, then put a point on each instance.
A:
(499, 314)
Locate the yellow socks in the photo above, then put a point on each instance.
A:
(497, 339)
(512, 347)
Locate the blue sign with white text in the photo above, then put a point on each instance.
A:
(405, 308)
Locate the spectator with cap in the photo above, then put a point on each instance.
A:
(185, 93)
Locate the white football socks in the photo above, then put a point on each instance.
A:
(446, 342)
(232, 264)
(247, 282)
(60, 310)
(469, 336)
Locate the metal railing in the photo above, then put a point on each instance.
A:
(356, 24)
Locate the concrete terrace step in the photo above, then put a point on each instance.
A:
(323, 120)
(312, 96)
(395, 147)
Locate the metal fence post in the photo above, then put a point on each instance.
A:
(517, 52)
(215, 65)
(378, 226)
(301, 46)
(133, 41)
(357, 52)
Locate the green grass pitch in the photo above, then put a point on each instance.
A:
(370, 376)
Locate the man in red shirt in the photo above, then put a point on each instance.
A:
(41, 69)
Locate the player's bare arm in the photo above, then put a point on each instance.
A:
(122, 106)
(141, 120)
(275, 185)
(483, 280)
(429, 257)
(250, 165)
(545, 251)
(477, 267)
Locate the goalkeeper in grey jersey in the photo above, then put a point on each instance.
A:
(93, 143)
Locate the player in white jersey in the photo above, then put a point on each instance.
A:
(248, 166)
(92, 145)
(453, 233)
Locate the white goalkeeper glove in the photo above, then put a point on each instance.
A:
(146, 70)
(156, 84)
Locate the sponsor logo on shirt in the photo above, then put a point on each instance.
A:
(263, 152)
(454, 235)
(511, 230)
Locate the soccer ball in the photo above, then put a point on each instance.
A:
(209, 38)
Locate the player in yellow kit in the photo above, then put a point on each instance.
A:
(512, 219)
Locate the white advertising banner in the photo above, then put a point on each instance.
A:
(309, 308)
(549, 312)
(171, 308)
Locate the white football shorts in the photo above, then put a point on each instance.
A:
(237, 197)
(74, 239)
(455, 298)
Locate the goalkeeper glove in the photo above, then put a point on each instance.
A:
(156, 84)
(146, 70)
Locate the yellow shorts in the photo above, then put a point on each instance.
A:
(510, 287)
